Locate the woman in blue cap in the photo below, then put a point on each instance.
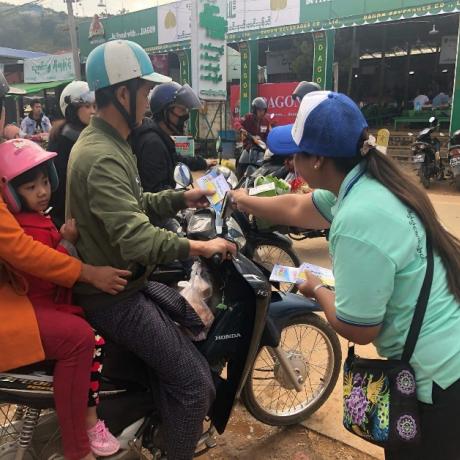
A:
(380, 222)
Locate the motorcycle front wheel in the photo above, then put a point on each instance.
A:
(424, 177)
(267, 255)
(313, 349)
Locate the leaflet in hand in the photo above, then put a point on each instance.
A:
(324, 274)
(217, 182)
(294, 275)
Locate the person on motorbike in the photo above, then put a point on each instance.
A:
(382, 226)
(28, 178)
(170, 105)
(257, 124)
(78, 106)
(36, 123)
(106, 199)
(304, 88)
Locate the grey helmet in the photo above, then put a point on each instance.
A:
(258, 103)
(303, 88)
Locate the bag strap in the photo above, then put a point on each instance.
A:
(421, 306)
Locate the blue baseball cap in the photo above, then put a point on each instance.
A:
(328, 124)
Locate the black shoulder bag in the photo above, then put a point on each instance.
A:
(380, 398)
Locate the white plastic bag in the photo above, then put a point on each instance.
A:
(197, 291)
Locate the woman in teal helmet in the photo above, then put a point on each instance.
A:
(381, 226)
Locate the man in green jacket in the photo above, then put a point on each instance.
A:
(105, 196)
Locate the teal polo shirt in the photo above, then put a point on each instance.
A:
(378, 248)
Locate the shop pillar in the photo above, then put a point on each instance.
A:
(185, 72)
(249, 52)
(323, 60)
(185, 59)
(455, 114)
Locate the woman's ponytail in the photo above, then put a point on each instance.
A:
(389, 174)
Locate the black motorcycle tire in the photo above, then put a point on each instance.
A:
(290, 253)
(423, 178)
(250, 401)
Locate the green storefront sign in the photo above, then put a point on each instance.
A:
(249, 69)
(323, 58)
(140, 27)
(318, 15)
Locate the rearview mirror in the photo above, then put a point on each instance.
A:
(183, 175)
(432, 119)
(442, 134)
(410, 134)
(271, 116)
(218, 145)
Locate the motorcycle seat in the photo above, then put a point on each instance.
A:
(42, 367)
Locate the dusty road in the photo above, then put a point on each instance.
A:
(322, 436)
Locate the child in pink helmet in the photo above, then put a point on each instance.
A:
(28, 177)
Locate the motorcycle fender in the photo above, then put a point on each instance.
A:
(283, 309)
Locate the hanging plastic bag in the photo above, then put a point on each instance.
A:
(197, 291)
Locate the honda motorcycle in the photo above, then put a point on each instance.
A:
(454, 158)
(270, 348)
(426, 155)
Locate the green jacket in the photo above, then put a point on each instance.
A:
(105, 196)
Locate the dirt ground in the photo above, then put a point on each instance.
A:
(248, 439)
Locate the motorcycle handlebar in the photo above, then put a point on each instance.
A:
(217, 259)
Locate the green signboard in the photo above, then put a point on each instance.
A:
(323, 58)
(249, 70)
(140, 27)
(318, 15)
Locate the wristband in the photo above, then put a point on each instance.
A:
(318, 287)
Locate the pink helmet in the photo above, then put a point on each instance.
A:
(16, 157)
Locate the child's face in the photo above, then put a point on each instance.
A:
(36, 193)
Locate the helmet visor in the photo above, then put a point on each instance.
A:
(187, 97)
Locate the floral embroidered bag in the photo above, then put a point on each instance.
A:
(380, 398)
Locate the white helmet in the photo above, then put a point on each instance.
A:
(77, 92)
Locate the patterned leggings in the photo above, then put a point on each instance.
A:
(96, 370)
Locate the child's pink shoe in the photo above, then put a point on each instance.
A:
(102, 442)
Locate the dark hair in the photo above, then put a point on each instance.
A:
(30, 175)
(71, 117)
(104, 96)
(385, 170)
(35, 102)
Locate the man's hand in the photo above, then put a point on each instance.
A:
(207, 249)
(107, 279)
(69, 231)
(197, 198)
(211, 162)
(307, 287)
(238, 198)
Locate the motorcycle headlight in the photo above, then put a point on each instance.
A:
(235, 233)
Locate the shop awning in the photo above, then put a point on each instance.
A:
(32, 88)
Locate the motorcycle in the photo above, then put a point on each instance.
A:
(269, 348)
(454, 158)
(251, 159)
(426, 155)
(266, 247)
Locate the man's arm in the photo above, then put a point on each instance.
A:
(152, 163)
(112, 200)
(164, 204)
(24, 129)
(197, 163)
